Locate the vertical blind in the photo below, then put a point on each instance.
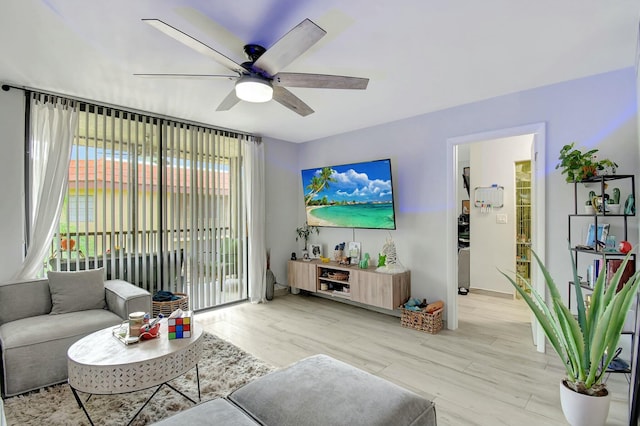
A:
(158, 203)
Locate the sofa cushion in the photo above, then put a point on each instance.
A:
(217, 411)
(320, 390)
(76, 291)
(45, 328)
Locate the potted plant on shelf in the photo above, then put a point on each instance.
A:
(579, 166)
(584, 344)
(304, 232)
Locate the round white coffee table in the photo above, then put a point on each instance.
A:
(101, 364)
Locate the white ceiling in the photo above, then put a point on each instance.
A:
(423, 56)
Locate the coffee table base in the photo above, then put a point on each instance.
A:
(81, 405)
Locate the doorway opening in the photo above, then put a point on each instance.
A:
(537, 134)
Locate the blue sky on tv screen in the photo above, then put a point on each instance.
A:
(360, 182)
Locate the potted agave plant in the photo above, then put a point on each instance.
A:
(584, 344)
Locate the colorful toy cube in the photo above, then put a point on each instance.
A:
(180, 328)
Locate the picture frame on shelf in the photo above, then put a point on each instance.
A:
(315, 251)
(466, 206)
(353, 251)
(600, 240)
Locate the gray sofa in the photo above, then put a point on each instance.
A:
(41, 319)
(318, 390)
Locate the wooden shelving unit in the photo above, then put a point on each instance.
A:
(349, 282)
(333, 281)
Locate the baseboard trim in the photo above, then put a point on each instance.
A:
(491, 293)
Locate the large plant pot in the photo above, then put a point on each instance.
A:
(583, 410)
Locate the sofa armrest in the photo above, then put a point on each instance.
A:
(123, 298)
(24, 299)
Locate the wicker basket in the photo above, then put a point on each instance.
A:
(423, 321)
(340, 276)
(165, 308)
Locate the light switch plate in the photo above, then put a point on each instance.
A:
(501, 218)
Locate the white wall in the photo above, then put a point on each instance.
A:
(493, 244)
(282, 202)
(11, 176)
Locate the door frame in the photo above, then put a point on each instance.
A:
(538, 242)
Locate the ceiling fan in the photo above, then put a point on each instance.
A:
(259, 79)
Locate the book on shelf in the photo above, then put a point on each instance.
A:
(595, 269)
(593, 272)
(614, 264)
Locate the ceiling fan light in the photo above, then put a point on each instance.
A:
(252, 89)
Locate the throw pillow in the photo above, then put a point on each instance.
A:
(76, 291)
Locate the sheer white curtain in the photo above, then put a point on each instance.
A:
(52, 127)
(256, 212)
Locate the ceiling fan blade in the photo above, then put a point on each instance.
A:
(210, 29)
(291, 101)
(321, 81)
(188, 76)
(229, 101)
(196, 45)
(290, 46)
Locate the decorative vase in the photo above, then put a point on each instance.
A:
(583, 410)
(630, 205)
(271, 283)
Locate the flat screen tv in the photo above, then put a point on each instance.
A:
(358, 195)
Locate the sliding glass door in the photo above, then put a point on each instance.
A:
(158, 203)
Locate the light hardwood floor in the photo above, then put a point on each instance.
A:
(485, 373)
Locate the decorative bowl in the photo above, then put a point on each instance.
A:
(613, 208)
(152, 333)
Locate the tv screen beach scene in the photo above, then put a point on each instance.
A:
(358, 195)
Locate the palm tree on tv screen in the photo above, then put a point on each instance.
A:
(318, 183)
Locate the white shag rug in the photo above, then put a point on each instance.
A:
(223, 368)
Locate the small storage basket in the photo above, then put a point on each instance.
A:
(421, 320)
(165, 308)
(339, 276)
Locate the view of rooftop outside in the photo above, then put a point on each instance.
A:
(156, 203)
